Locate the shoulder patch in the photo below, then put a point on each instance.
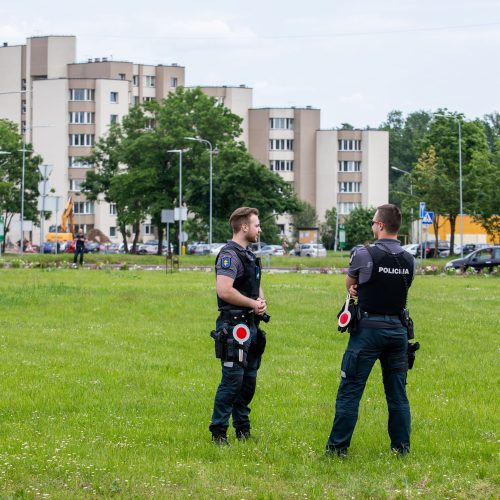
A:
(225, 263)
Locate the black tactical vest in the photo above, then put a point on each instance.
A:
(386, 290)
(248, 284)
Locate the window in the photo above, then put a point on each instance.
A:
(113, 97)
(81, 94)
(77, 162)
(148, 99)
(112, 231)
(281, 144)
(349, 145)
(23, 106)
(135, 80)
(150, 124)
(281, 165)
(136, 100)
(347, 207)
(83, 207)
(149, 81)
(113, 119)
(81, 140)
(82, 117)
(75, 184)
(173, 82)
(349, 187)
(349, 166)
(112, 209)
(121, 76)
(147, 229)
(23, 84)
(282, 123)
(23, 127)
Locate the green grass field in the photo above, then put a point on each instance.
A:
(108, 378)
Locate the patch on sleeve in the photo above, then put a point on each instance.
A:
(225, 263)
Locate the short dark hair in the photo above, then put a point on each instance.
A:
(390, 215)
(241, 216)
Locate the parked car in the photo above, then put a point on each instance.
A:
(256, 247)
(270, 250)
(50, 247)
(484, 258)
(216, 248)
(412, 248)
(468, 248)
(428, 248)
(310, 250)
(200, 249)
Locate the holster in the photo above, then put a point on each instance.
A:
(407, 322)
(259, 345)
(413, 347)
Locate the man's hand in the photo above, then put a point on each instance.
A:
(259, 307)
(353, 290)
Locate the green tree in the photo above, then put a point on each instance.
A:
(11, 166)
(303, 216)
(357, 226)
(485, 206)
(141, 176)
(327, 229)
(443, 138)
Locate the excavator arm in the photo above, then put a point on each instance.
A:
(66, 216)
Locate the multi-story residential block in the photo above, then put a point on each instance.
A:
(63, 107)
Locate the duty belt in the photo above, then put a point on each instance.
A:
(237, 315)
(374, 320)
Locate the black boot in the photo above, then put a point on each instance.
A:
(220, 438)
(243, 434)
(332, 451)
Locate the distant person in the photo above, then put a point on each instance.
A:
(242, 306)
(380, 276)
(296, 249)
(80, 240)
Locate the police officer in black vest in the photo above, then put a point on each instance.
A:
(379, 276)
(241, 305)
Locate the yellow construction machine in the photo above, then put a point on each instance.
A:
(65, 231)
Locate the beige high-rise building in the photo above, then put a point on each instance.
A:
(63, 107)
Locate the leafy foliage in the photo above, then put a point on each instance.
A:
(11, 166)
(357, 226)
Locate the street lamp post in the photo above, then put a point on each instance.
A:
(337, 222)
(411, 194)
(179, 151)
(460, 183)
(199, 139)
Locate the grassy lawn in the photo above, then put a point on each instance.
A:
(333, 260)
(108, 378)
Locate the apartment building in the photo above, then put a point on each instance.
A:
(63, 107)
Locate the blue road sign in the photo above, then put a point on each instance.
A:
(428, 218)
(422, 210)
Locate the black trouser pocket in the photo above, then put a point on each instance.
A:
(349, 366)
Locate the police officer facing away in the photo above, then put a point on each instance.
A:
(379, 275)
(241, 305)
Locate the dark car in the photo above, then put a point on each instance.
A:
(484, 258)
(429, 249)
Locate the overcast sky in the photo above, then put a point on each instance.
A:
(356, 60)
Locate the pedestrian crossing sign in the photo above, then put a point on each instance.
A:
(428, 218)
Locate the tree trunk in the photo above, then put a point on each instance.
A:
(435, 224)
(160, 239)
(453, 222)
(136, 226)
(123, 232)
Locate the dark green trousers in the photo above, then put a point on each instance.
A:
(390, 345)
